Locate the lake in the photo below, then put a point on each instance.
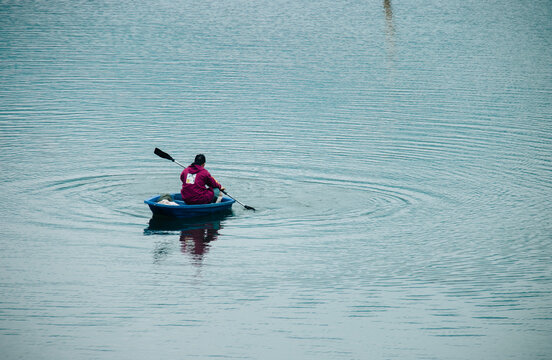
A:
(399, 156)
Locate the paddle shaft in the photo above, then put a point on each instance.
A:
(179, 164)
(239, 202)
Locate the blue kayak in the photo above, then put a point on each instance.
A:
(182, 210)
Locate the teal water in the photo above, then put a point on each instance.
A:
(398, 154)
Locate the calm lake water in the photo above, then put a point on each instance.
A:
(399, 155)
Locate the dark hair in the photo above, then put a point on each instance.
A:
(199, 159)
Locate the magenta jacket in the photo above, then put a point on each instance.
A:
(194, 178)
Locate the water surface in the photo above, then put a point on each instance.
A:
(398, 155)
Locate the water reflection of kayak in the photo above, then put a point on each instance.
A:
(182, 210)
(163, 224)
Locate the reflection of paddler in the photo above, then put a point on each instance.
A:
(198, 186)
(199, 237)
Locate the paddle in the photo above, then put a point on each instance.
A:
(164, 155)
(239, 202)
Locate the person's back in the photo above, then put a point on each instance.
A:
(198, 186)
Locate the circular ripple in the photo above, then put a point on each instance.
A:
(87, 201)
(115, 200)
(316, 199)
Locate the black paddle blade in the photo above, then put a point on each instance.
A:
(247, 207)
(162, 154)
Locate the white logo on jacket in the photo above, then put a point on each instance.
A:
(190, 178)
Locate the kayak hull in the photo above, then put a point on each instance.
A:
(182, 210)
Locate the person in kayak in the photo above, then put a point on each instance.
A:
(198, 186)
